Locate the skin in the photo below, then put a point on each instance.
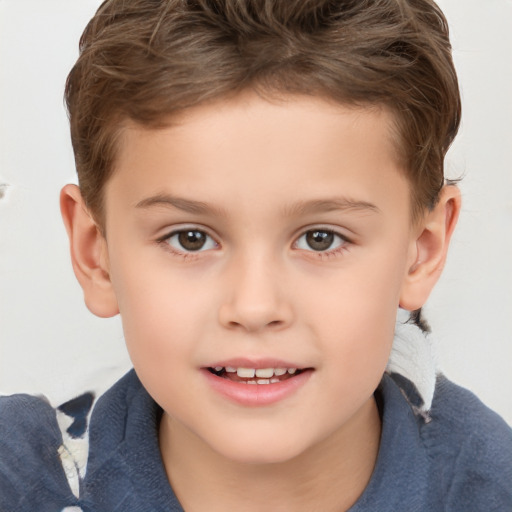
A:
(257, 176)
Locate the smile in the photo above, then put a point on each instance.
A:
(272, 381)
(254, 375)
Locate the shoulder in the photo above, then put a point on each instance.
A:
(470, 448)
(31, 473)
(469, 425)
(27, 423)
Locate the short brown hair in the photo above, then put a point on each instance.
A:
(144, 60)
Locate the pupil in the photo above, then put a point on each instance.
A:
(192, 240)
(319, 240)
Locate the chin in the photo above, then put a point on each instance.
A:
(260, 451)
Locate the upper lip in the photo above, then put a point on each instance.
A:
(241, 362)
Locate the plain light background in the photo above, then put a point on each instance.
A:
(50, 344)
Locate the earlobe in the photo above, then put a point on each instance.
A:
(89, 254)
(429, 249)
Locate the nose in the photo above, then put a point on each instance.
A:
(255, 297)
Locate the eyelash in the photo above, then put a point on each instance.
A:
(165, 241)
(344, 243)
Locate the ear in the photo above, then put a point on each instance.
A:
(89, 254)
(429, 249)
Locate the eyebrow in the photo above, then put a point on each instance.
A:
(329, 205)
(186, 205)
(299, 208)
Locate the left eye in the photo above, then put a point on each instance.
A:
(320, 240)
(191, 240)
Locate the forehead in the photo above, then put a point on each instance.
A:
(239, 149)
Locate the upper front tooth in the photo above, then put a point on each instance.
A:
(247, 373)
(262, 373)
(265, 373)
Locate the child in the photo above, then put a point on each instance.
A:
(261, 189)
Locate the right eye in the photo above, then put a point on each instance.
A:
(190, 240)
(321, 240)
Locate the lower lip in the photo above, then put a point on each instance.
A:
(256, 395)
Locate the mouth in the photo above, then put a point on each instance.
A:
(258, 376)
(256, 384)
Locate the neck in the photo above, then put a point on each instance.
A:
(329, 476)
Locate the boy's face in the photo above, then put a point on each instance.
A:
(256, 234)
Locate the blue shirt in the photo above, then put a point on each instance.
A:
(458, 458)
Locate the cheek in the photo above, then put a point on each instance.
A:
(161, 321)
(161, 311)
(161, 332)
(357, 307)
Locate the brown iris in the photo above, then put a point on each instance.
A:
(319, 240)
(192, 240)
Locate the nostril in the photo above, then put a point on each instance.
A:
(254, 315)
(274, 324)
